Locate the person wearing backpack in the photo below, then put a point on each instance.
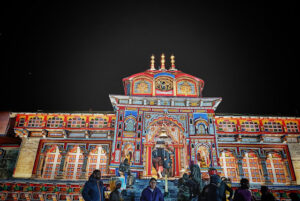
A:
(211, 192)
(223, 188)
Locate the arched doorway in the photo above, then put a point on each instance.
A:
(165, 150)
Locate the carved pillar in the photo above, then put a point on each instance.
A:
(240, 166)
(177, 161)
(148, 159)
(60, 174)
(263, 161)
(288, 168)
(40, 165)
(85, 160)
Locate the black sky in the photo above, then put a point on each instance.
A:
(69, 56)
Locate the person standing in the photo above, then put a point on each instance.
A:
(151, 192)
(211, 192)
(243, 193)
(266, 195)
(223, 188)
(115, 195)
(93, 189)
(294, 197)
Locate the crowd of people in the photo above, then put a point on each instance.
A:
(218, 189)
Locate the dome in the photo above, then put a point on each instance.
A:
(163, 82)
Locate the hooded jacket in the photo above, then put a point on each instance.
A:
(148, 195)
(211, 191)
(93, 190)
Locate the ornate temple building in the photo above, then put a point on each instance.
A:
(162, 124)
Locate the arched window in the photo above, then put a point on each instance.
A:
(203, 157)
(276, 170)
(74, 163)
(127, 152)
(52, 163)
(229, 165)
(252, 168)
(97, 160)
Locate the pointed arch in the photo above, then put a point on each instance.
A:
(203, 155)
(201, 126)
(97, 159)
(229, 164)
(127, 151)
(252, 167)
(52, 162)
(276, 168)
(74, 162)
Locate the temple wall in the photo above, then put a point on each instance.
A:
(27, 154)
(295, 157)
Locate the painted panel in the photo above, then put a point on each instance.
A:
(142, 86)
(186, 88)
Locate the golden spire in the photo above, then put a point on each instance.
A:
(162, 67)
(172, 62)
(152, 62)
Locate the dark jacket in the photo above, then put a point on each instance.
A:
(93, 190)
(267, 196)
(223, 188)
(210, 193)
(243, 195)
(115, 195)
(148, 195)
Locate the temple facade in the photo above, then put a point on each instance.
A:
(162, 124)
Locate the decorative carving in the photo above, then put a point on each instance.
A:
(164, 84)
(142, 87)
(185, 88)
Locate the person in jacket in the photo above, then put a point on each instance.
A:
(266, 195)
(223, 188)
(243, 193)
(211, 192)
(93, 189)
(151, 192)
(294, 197)
(115, 195)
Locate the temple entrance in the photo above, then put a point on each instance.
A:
(162, 162)
(165, 150)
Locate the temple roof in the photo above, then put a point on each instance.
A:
(163, 82)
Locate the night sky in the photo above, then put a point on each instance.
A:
(70, 56)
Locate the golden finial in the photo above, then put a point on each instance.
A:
(162, 67)
(173, 62)
(152, 62)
